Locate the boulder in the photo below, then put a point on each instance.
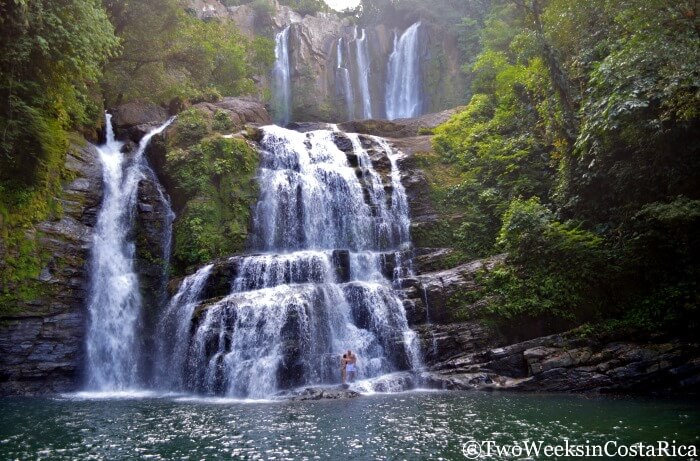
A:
(131, 121)
(242, 111)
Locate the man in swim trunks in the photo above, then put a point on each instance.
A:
(351, 367)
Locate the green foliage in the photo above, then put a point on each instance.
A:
(51, 55)
(190, 127)
(214, 181)
(305, 7)
(167, 53)
(554, 269)
(585, 113)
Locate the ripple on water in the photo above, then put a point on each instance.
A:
(408, 426)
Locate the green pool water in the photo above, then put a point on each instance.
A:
(416, 425)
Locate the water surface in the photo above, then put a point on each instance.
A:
(416, 425)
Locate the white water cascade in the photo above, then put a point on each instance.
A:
(328, 230)
(363, 70)
(343, 76)
(114, 303)
(281, 78)
(403, 88)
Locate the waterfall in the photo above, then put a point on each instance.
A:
(343, 75)
(114, 302)
(174, 329)
(328, 230)
(281, 78)
(363, 70)
(403, 88)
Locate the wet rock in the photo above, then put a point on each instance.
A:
(433, 259)
(560, 363)
(41, 346)
(344, 144)
(443, 293)
(320, 393)
(131, 121)
(305, 127)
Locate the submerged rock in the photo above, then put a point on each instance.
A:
(320, 393)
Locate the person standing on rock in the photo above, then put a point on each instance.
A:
(351, 367)
(343, 365)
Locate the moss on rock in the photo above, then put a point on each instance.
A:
(214, 178)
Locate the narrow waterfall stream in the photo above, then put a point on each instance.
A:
(363, 70)
(403, 89)
(114, 303)
(328, 231)
(345, 84)
(281, 79)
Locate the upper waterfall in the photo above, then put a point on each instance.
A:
(114, 303)
(403, 89)
(363, 71)
(281, 78)
(343, 75)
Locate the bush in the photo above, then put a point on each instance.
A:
(553, 269)
(214, 181)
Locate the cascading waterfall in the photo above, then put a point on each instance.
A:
(114, 302)
(343, 75)
(403, 88)
(328, 230)
(173, 330)
(281, 78)
(363, 70)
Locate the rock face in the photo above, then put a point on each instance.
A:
(563, 363)
(400, 128)
(443, 297)
(153, 237)
(41, 349)
(317, 79)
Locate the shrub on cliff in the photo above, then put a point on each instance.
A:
(213, 188)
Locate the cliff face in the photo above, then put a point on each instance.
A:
(317, 77)
(317, 85)
(41, 347)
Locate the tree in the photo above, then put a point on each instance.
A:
(51, 55)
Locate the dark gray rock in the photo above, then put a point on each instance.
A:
(41, 347)
(440, 294)
(559, 363)
(131, 121)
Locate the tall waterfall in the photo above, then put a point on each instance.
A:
(281, 78)
(403, 89)
(363, 70)
(329, 229)
(114, 303)
(343, 76)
